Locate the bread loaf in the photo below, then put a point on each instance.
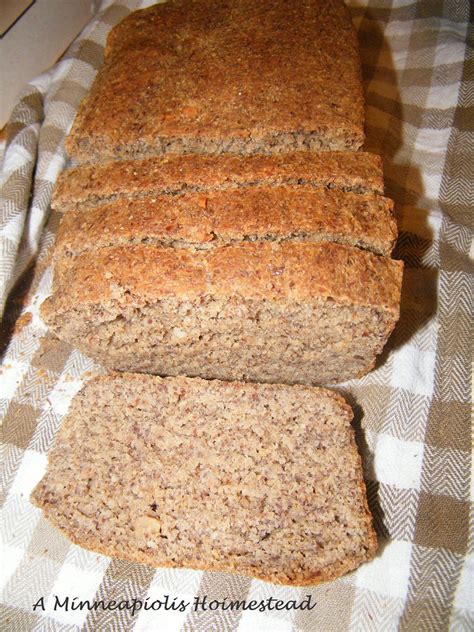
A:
(213, 76)
(263, 480)
(292, 312)
(257, 263)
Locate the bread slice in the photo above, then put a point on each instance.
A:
(214, 76)
(290, 312)
(82, 187)
(263, 480)
(278, 213)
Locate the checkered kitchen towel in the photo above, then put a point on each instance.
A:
(413, 411)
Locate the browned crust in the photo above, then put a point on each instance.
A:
(221, 71)
(85, 186)
(255, 213)
(328, 573)
(254, 270)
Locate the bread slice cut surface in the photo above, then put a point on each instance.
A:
(263, 480)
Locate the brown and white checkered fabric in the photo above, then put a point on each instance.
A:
(412, 412)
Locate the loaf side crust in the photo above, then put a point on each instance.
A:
(147, 413)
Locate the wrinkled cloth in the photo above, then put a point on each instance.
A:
(412, 413)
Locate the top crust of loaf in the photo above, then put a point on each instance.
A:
(82, 187)
(230, 75)
(290, 271)
(255, 213)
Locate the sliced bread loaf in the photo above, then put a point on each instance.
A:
(263, 480)
(291, 312)
(213, 76)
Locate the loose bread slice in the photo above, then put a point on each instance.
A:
(263, 480)
(277, 213)
(81, 187)
(288, 312)
(213, 76)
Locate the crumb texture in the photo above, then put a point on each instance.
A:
(263, 480)
(225, 76)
